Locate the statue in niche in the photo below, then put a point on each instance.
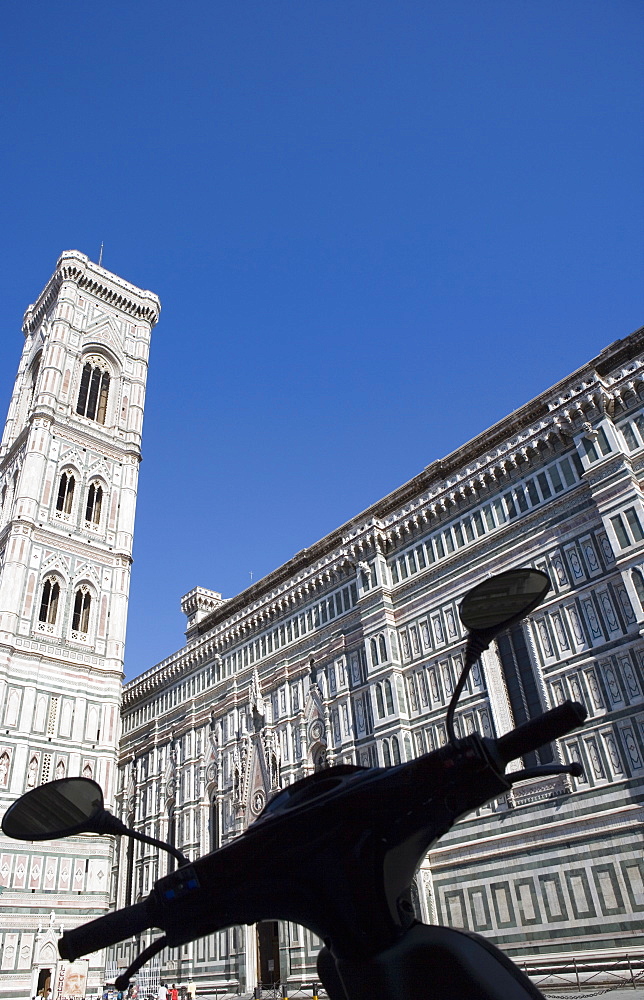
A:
(32, 772)
(4, 769)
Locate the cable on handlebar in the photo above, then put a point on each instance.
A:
(121, 982)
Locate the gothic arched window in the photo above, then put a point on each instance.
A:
(94, 503)
(214, 824)
(395, 750)
(383, 647)
(82, 604)
(386, 755)
(389, 698)
(49, 602)
(374, 651)
(93, 393)
(65, 497)
(380, 705)
(33, 376)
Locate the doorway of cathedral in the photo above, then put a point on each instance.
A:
(44, 982)
(268, 947)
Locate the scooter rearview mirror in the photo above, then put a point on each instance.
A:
(57, 809)
(488, 609)
(68, 806)
(503, 600)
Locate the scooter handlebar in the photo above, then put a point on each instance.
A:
(104, 931)
(537, 732)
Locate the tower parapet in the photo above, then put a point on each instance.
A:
(197, 605)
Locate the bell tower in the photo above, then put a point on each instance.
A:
(69, 462)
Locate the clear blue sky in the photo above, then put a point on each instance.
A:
(375, 228)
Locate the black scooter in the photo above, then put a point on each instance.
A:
(337, 851)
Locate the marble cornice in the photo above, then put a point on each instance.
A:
(108, 287)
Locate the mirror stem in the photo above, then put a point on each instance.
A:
(476, 643)
(107, 823)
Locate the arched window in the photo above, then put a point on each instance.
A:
(383, 647)
(395, 750)
(380, 705)
(49, 602)
(374, 651)
(65, 498)
(389, 698)
(33, 376)
(638, 582)
(80, 617)
(214, 824)
(386, 755)
(94, 503)
(93, 393)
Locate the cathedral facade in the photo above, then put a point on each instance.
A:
(69, 463)
(349, 653)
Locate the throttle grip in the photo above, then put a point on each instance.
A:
(104, 931)
(537, 732)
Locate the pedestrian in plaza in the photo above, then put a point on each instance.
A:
(162, 993)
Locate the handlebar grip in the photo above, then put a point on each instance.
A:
(537, 732)
(103, 931)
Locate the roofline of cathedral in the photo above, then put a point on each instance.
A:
(438, 472)
(557, 413)
(75, 266)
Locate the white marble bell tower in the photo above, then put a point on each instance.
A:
(69, 463)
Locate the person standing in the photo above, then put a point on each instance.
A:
(174, 993)
(162, 992)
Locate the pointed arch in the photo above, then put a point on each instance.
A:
(94, 504)
(49, 600)
(81, 610)
(34, 371)
(94, 389)
(65, 495)
(380, 704)
(389, 698)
